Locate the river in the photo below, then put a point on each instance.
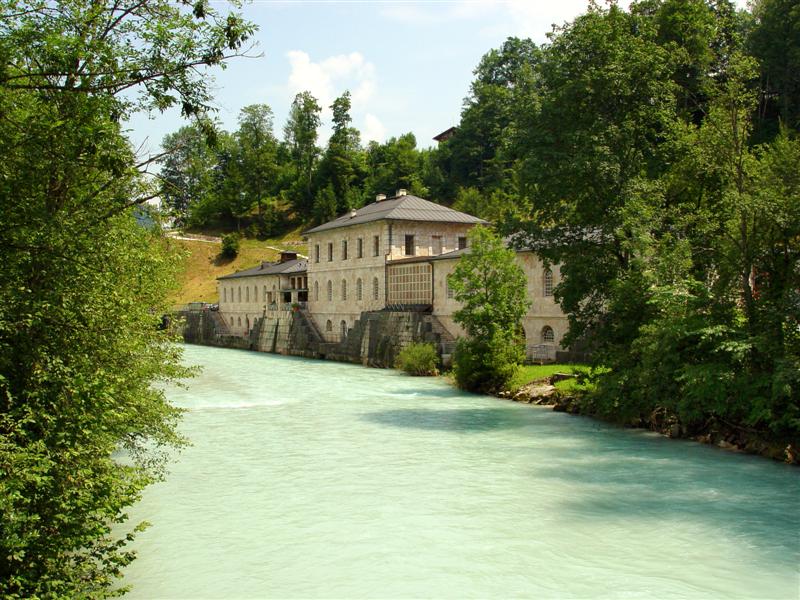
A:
(315, 479)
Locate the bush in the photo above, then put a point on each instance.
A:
(418, 359)
(230, 245)
(487, 365)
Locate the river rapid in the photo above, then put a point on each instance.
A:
(312, 479)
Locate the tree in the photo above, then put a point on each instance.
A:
(480, 150)
(491, 289)
(775, 42)
(83, 286)
(392, 165)
(300, 135)
(257, 162)
(187, 173)
(342, 166)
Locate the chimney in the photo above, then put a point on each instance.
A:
(380, 197)
(286, 256)
(402, 192)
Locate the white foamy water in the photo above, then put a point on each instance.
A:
(311, 479)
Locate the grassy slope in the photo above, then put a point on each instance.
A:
(203, 265)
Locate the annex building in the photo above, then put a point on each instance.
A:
(393, 255)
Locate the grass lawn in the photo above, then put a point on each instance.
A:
(198, 282)
(528, 373)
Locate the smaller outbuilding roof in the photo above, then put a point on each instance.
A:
(445, 135)
(289, 267)
(399, 208)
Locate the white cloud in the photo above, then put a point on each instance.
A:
(330, 77)
(373, 129)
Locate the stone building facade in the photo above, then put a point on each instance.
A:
(392, 255)
(248, 295)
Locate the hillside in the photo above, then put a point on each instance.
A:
(203, 264)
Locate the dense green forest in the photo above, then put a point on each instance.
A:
(652, 152)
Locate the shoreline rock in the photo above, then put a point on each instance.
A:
(542, 392)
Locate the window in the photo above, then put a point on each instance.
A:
(328, 325)
(239, 293)
(255, 293)
(316, 291)
(330, 251)
(462, 242)
(359, 290)
(436, 245)
(548, 282)
(316, 253)
(239, 321)
(360, 248)
(450, 291)
(231, 321)
(265, 293)
(548, 337)
(376, 245)
(343, 326)
(375, 288)
(225, 294)
(247, 323)
(247, 293)
(344, 289)
(409, 245)
(344, 249)
(330, 291)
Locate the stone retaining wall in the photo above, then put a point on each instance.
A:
(375, 339)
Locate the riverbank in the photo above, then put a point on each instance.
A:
(543, 392)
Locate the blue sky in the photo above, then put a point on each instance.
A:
(407, 64)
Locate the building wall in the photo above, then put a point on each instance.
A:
(543, 311)
(368, 268)
(244, 299)
(424, 234)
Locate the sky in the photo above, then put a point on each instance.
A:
(408, 64)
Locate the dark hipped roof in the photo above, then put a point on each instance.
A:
(290, 267)
(399, 208)
(445, 135)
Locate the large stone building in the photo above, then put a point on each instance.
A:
(392, 255)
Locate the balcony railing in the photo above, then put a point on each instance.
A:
(287, 305)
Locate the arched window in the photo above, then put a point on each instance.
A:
(231, 321)
(265, 293)
(343, 326)
(359, 291)
(247, 323)
(239, 321)
(548, 337)
(330, 290)
(316, 291)
(239, 293)
(344, 289)
(328, 325)
(375, 288)
(548, 282)
(247, 294)
(255, 293)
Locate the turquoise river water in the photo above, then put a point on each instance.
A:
(312, 479)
